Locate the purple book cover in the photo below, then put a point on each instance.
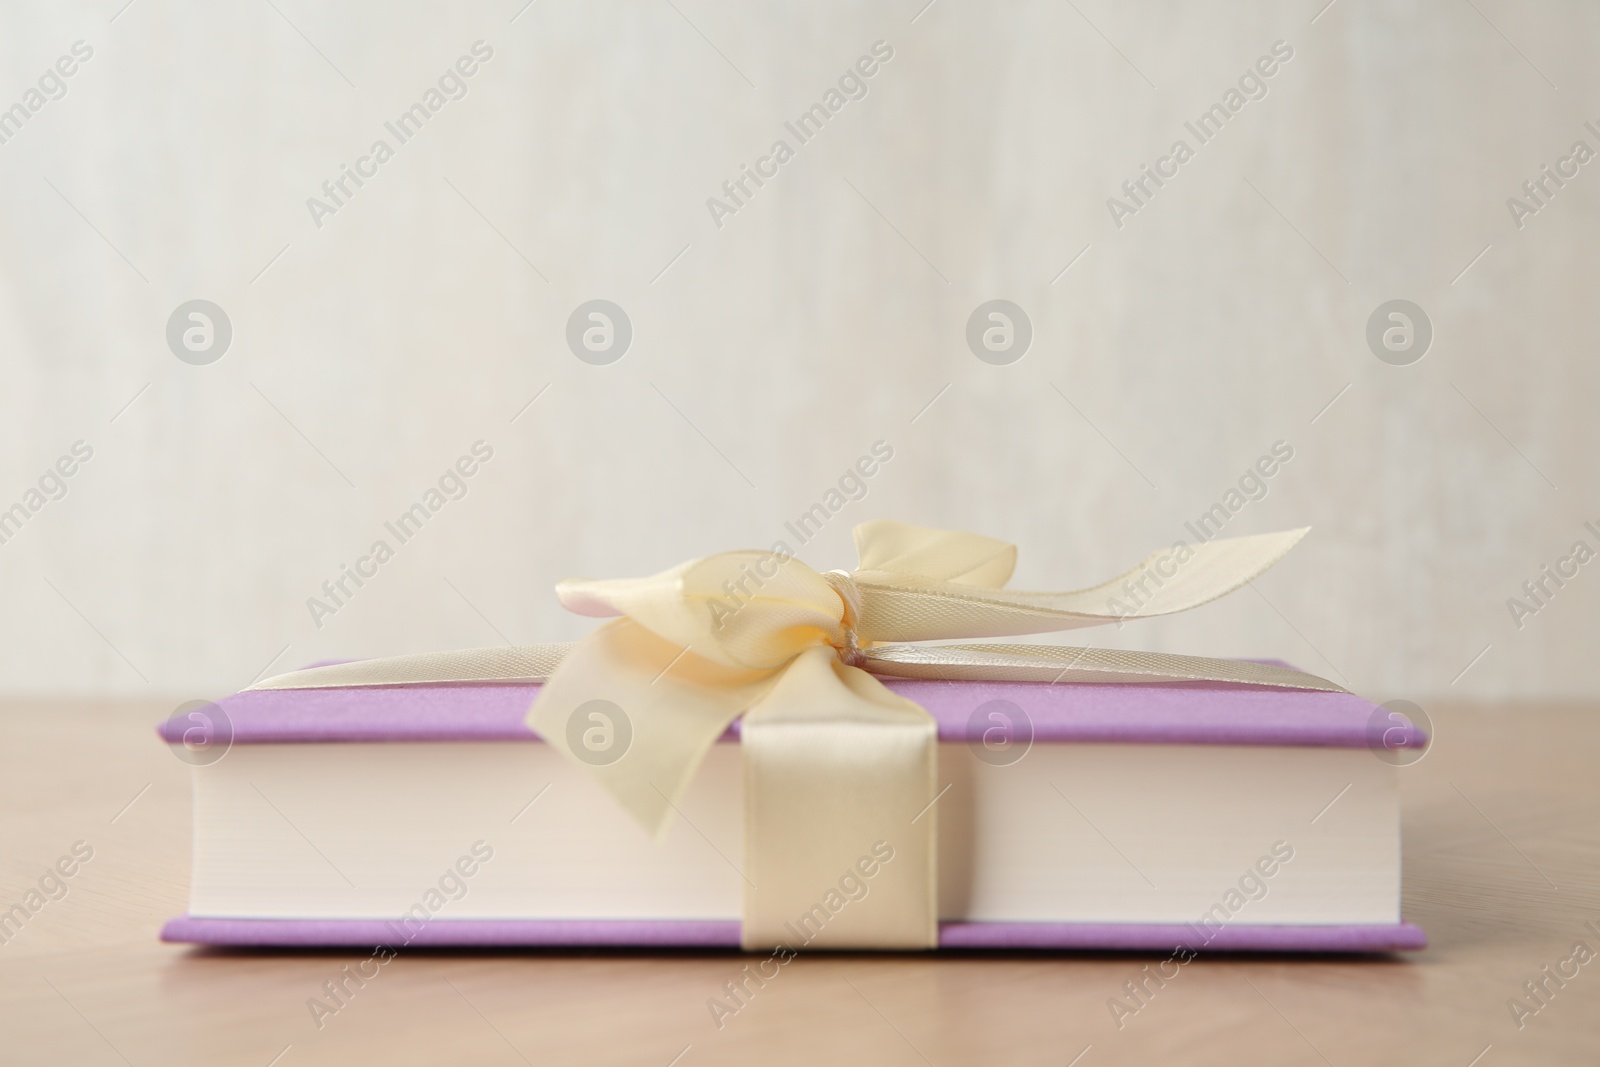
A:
(1199, 713)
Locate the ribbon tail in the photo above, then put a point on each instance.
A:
(840, 832)
(898, 607)
(639, 713)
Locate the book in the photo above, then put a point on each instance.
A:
(1073, 816)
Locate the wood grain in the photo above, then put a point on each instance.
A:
(1501, 831)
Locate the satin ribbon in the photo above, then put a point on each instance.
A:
(835, 763)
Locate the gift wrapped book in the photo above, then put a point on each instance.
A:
(749, 755)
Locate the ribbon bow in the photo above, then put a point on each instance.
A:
(834, 761)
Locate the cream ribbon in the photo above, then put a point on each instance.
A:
(835, 763)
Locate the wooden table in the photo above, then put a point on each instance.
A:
(1502, 820)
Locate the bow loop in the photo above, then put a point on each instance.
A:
(750, 610)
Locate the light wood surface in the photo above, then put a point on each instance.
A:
(1501, 830)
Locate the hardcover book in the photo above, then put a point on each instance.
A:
(1070, 816)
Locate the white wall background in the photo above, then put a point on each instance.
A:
(824, 316)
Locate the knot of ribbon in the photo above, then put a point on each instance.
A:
(848, 645)
(700, 644)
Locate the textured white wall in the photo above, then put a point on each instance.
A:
(823, 316)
